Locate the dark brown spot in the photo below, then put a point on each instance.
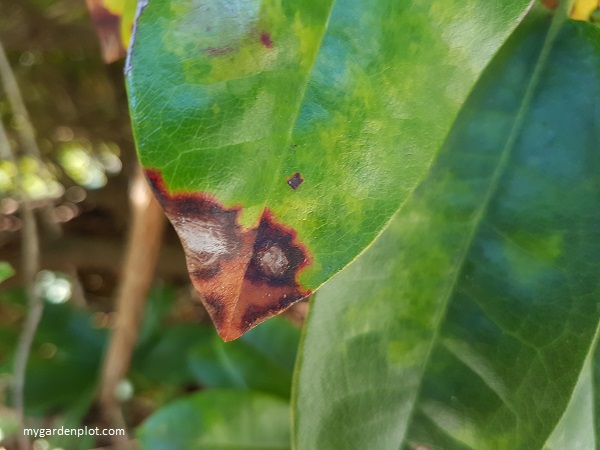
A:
(276, 258)
(206, 273)
(295, 180)
(254, 314)
(265, 39)
(215, 307)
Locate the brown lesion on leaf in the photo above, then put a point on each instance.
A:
(295, 180)
(244, 275)
(265, 40)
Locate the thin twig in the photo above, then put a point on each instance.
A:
(144, 242)
(11, 88)
(30, 266)
(25, 130)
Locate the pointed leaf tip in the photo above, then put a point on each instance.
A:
(244, 275)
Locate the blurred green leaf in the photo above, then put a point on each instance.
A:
(466, 326)
(261, 360)
(6, 271)
(219, 420)
(158, 305)
(166, 358)
(65, 359)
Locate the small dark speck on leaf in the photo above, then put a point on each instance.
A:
(265, 39)
(295, 181)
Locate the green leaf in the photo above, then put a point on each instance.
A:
(166, 359)
(6, 271)
(467, 324)
(281, 136)
(63, 367)
(219, 420)
(576, 429)
(262, 360)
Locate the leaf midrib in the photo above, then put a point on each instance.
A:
(507, 151)
(293, 121)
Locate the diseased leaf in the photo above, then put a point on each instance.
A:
(281, 136)
(467, 324)
(219, 420)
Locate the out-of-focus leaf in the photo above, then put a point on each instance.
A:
(219, 420)
(113, 20)
(6, 271)
(280, 137)
(166, 358)
(262, 360)
(65, 360)
(158, 304)
(467, 324)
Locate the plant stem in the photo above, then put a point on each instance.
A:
(30, 248)
(141, 257)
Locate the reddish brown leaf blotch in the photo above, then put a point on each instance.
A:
(244, 275)
(265, 39)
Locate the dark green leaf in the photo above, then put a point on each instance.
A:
(65, 360)
(262, 360)
(219, 420)
(467, 324)
(165, 359)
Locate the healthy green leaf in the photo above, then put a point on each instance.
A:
(219, 420)
(262, 360)
(467, 324)
(281, 136)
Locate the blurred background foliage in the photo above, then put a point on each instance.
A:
(181, 374)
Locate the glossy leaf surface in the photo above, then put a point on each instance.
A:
(219, 420)
(467, 324)
(576, 429)
(281, 136)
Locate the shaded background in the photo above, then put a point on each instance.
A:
(80, 191)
